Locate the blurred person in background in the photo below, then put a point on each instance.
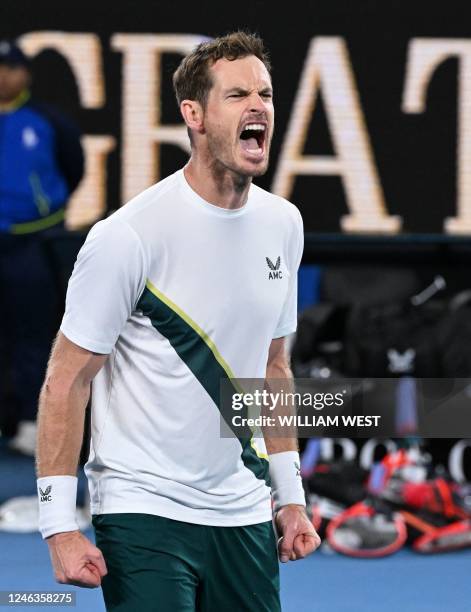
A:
(41, 163)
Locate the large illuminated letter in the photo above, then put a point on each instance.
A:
(88, 202)
(142, 132)
(327, 70)
(83, 53)
(425, 55)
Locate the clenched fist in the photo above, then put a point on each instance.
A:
(76, 560)
(298, 538)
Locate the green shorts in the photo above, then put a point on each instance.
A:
(157, 564)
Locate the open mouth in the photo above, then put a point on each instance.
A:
(252, 138)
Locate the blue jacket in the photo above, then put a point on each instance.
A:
(41, 163)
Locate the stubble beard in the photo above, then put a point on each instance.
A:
(223, 165)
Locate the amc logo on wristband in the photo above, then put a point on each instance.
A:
(45, 496)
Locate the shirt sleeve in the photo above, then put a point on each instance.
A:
(288, 320)
(108, 278)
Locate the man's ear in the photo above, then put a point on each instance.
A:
(192, 113)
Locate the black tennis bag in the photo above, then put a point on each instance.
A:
(419, 337)
(398, 339)
(394, 339)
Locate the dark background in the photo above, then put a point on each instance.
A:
(415, 155)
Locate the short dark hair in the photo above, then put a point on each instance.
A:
(192, 79)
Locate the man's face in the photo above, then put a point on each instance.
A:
(13, 79)
(239, 115)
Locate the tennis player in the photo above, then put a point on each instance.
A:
(191, 282)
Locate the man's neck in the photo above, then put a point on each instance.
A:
(216, 184)
(14, 103)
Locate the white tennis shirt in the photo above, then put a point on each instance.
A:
(181, 293)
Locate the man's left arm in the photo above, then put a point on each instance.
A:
(298, 538)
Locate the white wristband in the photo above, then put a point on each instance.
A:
(286, 483)
(57, 501)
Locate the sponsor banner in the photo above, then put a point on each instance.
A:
(373, 129)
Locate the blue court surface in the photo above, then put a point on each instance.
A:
(325, 582)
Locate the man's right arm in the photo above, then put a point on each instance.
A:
(108, 278)
(62, 405)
